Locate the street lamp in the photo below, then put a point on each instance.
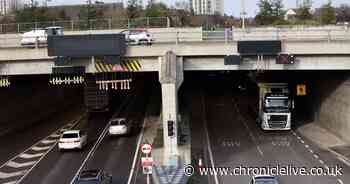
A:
(243, 13)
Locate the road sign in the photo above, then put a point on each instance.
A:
(146, 161)
(147, 169)
(146, 148)
(301, 90)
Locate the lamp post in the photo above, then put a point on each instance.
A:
(243, 13)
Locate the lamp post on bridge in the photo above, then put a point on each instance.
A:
(243, 13)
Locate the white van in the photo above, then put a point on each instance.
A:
(39, 36)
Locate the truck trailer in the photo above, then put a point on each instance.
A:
(275, 106)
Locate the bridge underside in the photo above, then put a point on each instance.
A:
(152, 64)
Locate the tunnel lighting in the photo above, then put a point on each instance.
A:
(4, 82)
(67, 80)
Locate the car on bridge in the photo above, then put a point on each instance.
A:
(93, 177)
(39, 36)
(138, 36)
(119, 126)
(72, 139)
(264, 179)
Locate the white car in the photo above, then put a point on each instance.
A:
(72, 139)
(138, 36)
(119, 126)
(39, 35)
(264, 179)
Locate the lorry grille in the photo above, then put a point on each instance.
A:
(278, 121)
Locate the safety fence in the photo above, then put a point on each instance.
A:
(92, 24)
(186, 35)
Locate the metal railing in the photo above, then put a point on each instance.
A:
(297, 34)
(186, 35)
(92, 24)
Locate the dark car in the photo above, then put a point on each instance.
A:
(94, 177)
(264, 179)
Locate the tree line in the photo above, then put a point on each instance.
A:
(271, 12)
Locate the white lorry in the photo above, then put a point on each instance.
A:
(275, 106)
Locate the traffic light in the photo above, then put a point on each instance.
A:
(171, 128)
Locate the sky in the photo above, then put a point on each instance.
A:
(232, 7)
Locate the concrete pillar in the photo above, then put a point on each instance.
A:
(171, 78)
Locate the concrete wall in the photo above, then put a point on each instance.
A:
(333, 101)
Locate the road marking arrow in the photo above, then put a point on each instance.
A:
(48, 141)
(18, 165)
(38, 148)
(4, 175)
(28, 155)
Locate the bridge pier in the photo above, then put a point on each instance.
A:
(171, 78)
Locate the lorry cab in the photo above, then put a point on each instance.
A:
(275, 106)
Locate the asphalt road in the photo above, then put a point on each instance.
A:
(115, 154)
(236, 140)
(60, 167)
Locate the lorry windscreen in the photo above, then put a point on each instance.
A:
(277, 102)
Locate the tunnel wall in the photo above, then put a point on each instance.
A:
(333, 104)
(31, 101)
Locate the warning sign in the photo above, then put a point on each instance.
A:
(301, 90)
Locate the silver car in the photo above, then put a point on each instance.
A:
(119, 126)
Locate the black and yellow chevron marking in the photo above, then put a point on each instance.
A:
(125, 65)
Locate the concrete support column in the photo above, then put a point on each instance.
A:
(171, 78)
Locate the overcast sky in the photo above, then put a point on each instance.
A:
(232, 7)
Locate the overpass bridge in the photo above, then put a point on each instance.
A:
(179, 50)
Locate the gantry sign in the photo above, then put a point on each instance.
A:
(68, 50)
(260, 49)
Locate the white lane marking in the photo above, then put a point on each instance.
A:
(132, 170)
(344, 161)
(302, 142)
(340, 157)
(39, 148)
(35, 144)
(4, 175)
(14, 164)
(252, 137)
(29, 156)
(298, 137)
(91, 152)
(340, 181)
(96, 145)
(307, 146)
(10, 182)
(260, 151)
(321, 161)
(208, 138)
(47, 152)
(48, 141)
(316, 156)
(311, 151)
(294, 133)
(55, 135)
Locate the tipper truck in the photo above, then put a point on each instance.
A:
(275, 106)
